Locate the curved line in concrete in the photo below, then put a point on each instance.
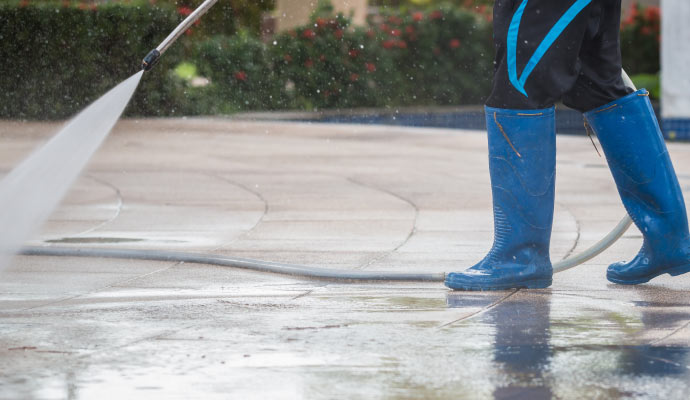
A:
(577, 229)
(680, 328)
(481, 311)
(120, 203)
(414, 221)
(255, 194)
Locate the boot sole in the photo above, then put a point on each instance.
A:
(533, 284)
(675, 271)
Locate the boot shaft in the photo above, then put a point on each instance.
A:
(522, 164)
(641, 167)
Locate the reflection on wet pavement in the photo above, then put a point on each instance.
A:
(531, 366)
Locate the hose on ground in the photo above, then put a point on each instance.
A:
(301, 271)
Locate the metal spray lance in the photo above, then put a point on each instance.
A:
(152, 58)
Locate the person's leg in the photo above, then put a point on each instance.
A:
(600, 78)
(537, 46)
(635, 150)
(641, 167)
(522, 167)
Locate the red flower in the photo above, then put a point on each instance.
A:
(308, 34)
(401, 44)
(396, 32)
(184, 11)
(338, 33)
(189, 32)
(627, 22)
(371, 67)
(634, 10)
(287, 58)
(646, 30)
(384, 28)
(436, 14)
(394, 20)
(653, 14)
(371, 33)
(241, 76)
(436, 51)
(322, 58)
(417, 16)
(309, 63)
(409, 29)
(320, 22)
(454, 43)
(388, 44)
(353, 53)
(354, 77)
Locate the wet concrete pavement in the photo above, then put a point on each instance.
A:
(334, 196)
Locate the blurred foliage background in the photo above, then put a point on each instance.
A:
(59, 55)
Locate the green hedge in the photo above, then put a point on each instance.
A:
(438, 57)
(58, 59)
(640, 40)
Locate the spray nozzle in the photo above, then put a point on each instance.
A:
(150, 60)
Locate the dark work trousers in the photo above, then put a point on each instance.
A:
(551, 50)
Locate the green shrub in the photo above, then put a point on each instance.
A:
(240, 73)
(640, 38)
(440, 57)
(412, 58)
(57, 59)
(325, 65)
(651, 82)
(225, 17)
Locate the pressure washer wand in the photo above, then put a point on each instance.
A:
(152, 58)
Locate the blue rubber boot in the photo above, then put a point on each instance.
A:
(635, 150)
(522, 165)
